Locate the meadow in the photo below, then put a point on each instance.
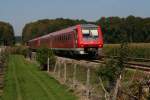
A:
(136, 50)
(25, 81)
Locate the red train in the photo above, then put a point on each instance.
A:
(78, 39)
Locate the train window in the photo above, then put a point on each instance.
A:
(90, 33)
(68, 36)
(94, 33)
(65, 37)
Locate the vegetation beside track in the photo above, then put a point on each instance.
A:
(24, 81)
(130, 81)
(136, 50)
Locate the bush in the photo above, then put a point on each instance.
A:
(4, 57)
(22, 50)
(43, 54)
(112, 69)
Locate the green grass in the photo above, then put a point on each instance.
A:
(24, 81)
(136, 50)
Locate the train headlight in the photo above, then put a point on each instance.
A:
(82, 45)
(100, 45)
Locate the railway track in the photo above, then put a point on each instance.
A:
(131, 64)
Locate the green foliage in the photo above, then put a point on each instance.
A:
(136, 28)
(22, 50)
(6, 34)
(107, 71)
(4, 56)
(114, 68)
(42, 56)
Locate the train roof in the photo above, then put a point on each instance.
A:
(65, 30)
(73, 27)
(88, 25)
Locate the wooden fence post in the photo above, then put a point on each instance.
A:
(74, 75)
(55, 67)
(140, 92)
(35, 56)
(88, 83)
(59, 65)
(65, 72)
(48, 64)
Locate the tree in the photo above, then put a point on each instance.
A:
(113, 71)
(136, 28)
(6, 34)
(43, 54)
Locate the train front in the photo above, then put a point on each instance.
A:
(90, 39)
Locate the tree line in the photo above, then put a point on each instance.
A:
(6, 34)
(136, 29)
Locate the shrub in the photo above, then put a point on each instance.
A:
(113, 69)
(43, 54)
(22, 50)
(4, 56)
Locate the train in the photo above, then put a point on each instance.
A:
(75, 40)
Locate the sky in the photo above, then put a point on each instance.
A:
(20, 12)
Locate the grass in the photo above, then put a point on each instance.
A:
(136, 50)
(24, 81)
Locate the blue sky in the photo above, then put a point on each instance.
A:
(20, 12)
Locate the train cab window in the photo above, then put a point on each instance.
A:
(90, 33)
(94, 33)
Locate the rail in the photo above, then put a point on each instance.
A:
(132, 65)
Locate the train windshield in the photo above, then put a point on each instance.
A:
(90, 33)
